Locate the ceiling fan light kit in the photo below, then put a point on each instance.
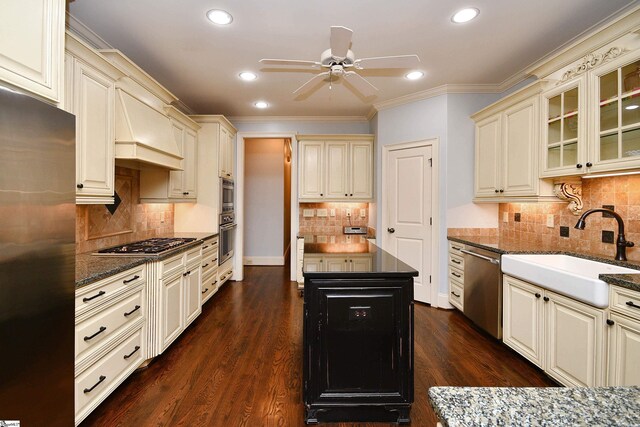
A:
(339, 58)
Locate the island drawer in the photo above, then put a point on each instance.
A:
(456, 295)
(100, 292)
(625, 301)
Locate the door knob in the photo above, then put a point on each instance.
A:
(391, 230)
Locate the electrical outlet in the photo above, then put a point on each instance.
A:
(332, 212)
(321, 213)
(363, 213)
(607, 236)
(564, 231)
(607, 214)
(347, 212)
(550, 220)
(307, 213)
(505, 216)
(517, 217)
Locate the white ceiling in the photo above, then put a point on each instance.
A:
(199, 62)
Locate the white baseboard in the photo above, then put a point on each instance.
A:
(263, 260)
(443, 302)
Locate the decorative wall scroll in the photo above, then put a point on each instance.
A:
(572, 192)
(590, 61)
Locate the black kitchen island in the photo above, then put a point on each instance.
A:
(358, 332)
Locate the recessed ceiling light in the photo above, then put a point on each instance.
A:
(414, 75)
(631, 107)
(465, 15)
(247, 75)
(261, 104)
(219, 17)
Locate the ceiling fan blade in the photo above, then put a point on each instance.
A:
(289, 62)
(360, 84)
(401, 61)
(340, 41)
(310, 84)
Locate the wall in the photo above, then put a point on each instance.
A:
(263, 199)
(329, 225)
(301, 126)
(286, 205)
(623, 192)
(97, 228)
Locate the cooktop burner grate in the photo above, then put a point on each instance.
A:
(149, 246)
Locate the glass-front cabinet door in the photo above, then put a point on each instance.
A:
(563, 136)
(615, 99)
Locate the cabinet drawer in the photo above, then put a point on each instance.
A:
(455, 248)
(171, 265)
(193, 255)
(106, 322)
(456, 274)
(209, 262)
(625, 301)
(456, 295)
(106, 289)
(456, 261)
(209, 286)
(95, 384)
(209, 246)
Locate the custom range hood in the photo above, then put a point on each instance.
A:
(144, 133)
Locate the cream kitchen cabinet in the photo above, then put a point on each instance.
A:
(161, 185)
(506, 149)
(32, 46)
(563, 336)
(90, 92)
(456, 275)
(335, 167)
(227, 152)
(624, 337)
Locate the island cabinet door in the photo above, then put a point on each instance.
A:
(358, 343)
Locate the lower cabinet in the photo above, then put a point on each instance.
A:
(172, 309)
(563, 336)
(624, 337)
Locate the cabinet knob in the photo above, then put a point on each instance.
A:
(546, 299)
(186, 193)
(610, 322)
(351, 194)
(80, 185)
(538, 295)
(579, 165)
(501, 190)
(497, 190)
(345, 194)
(589, 164)
(391, 230)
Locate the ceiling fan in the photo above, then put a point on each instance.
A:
(339, 58)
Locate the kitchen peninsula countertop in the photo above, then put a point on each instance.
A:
(536, 406)
(629, 281)
(91, 268)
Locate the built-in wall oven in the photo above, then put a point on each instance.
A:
(226, 239)
(226, 196)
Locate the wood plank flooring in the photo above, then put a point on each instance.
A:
(240, 363)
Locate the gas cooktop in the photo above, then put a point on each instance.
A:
(153, 246)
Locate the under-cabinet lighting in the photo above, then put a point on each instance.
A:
(604, 175)
(219, 17)
(465, 15)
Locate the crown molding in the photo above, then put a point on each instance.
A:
(261, 119)
(85, 33)
(436, 91)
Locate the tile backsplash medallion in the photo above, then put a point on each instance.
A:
(318, 223)
(97, 228)
(622, 192)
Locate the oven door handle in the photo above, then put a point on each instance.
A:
(227, 227)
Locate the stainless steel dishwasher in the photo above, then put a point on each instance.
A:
(483, 289)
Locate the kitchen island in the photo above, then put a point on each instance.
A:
(358, 332)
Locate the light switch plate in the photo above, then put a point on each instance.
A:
(321, 213)
(505, 217)
(307, 213)
(550, 220)
(363, 213)
(332, 212)
(347, 212)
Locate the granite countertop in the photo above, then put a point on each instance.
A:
(494, 244)
(91, 268)
(530, 406)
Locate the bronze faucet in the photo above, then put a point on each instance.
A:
(621, 242)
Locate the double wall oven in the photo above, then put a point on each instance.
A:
(226, 240)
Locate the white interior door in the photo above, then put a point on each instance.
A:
(408, 233)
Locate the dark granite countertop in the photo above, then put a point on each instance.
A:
(542, 406)
(494, 244)
(91, 268)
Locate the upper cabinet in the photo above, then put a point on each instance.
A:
(335, 167)
(90, 90)
(32, 46)
(506, 147)
(226, 152)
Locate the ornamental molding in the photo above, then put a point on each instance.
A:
(571, 192)
(591, 61)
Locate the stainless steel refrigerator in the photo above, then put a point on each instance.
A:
(37, 257)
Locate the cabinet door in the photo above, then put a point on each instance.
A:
(361, 170)
(313, 263)
(360, 264)
(192, 286)
(223, 149)
(336, 264)
(336, 170)
(229, 155)
(172, 316)
(32, 45)
(95, 141)
(520, 148)
(573, 336)
(311, 170)
(624, 352)
(487, 157)
(523, 319)
(190, 173)
(176, 178)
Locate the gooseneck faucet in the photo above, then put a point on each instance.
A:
(621, 242)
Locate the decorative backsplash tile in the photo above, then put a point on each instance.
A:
(331, 224)
(97, 228)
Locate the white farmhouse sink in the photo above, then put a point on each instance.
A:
(568, 275)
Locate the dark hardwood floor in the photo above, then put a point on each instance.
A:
(240, 363)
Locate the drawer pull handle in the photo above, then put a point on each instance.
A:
(455, 274)
(126, 356)
(136, 277)
(101, 330)
(206, 265)
(136, 308)
(214, 282)
(214, 260)
(205, 247)
(537, 295)
(546, 299)
(455, 261)
(632, 304)
(205, 290)
(187, 273)
(99, 294)
(89, 390)
(456, 248)
(455, 295)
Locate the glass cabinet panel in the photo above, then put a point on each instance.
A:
(563, 118)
